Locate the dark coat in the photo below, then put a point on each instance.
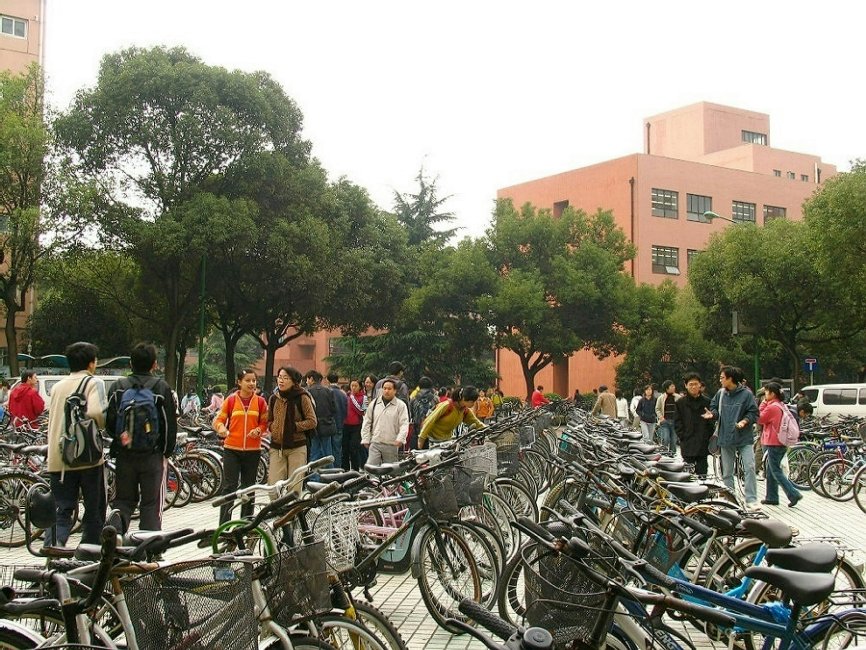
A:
(693, 431)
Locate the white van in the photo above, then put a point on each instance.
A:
(837, 399)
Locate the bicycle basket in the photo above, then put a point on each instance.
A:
(568, 449)
(296, 583)
(438, 495)
(200, 605)
(562, 599)
(337, 526)
(508, 454)
(22, 588)
(482, 458)
(528, 434)
(626, 528)
(469, 486)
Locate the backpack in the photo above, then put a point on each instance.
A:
(138, 415)
(81, 441)
(789, 430)
(422, 406)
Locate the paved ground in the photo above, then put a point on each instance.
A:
(398, 596)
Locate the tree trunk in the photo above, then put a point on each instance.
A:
(528, 377)
(231, 344)
(11, 337)
(171, 356)
(270, 360)
(795, 370)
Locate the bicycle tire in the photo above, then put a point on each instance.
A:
(798, 465)
(510, 599)
(847, 631)
(815, 465)
(832, 480)
(443, 552)
(12, 639)
(489, 557)
(522, 503)
(343, 633)
(14, 486)
(202, 475)
(374, 617)
(173, 484)
(729, 570)
(299, 642)
(860, 488)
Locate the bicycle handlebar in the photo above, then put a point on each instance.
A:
(273, 487)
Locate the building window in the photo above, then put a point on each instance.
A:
(665, 203)
(666, 260)
(690, 255)
(777, 172)
(804, 178)
(774, 212)
(792, 176)
(754, 138)
(13, 26)
(743, 212)
(559, 207)
(696, 205)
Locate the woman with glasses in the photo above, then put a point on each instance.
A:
(291, 416)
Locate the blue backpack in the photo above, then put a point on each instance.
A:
(138, 416)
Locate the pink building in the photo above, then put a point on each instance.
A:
(21, 33)
(703, 157)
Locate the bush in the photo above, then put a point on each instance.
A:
(553, 397)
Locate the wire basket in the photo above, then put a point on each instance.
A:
(568, 448)
(508, 458)
(527, 435)
(469, 486)
(662, 550)
(562, 599)
(337, 526)
(438, 496)
(626, 528)
(482, 458)
(296, 583)
(201, 605)
(23, 589)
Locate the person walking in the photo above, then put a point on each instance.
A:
(605, 403)
(621, 407)
(139, 477)
(25, 404)
(666, 414)
(340, 401)
(386, 425)
(68, 484)
(736, 411)
(241, 421)
(291, 418)
(483, 407)
(770, 418)
(691, 428)
(324, 438)
(355, 406)
(646, 411)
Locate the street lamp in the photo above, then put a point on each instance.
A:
(710, 215)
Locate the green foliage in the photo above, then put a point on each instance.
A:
(422, 212)
(553, 397)
(247, 353)
(559, 287)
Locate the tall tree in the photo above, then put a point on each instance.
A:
(772, 277)
(560, 284)
(423, 214)
(157, 126)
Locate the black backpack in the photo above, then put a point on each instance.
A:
(138, 415)
(81, 441)
(422, 405)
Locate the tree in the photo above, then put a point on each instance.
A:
(38, 213)
(560, 285)
(772, 277)
(158, 126)
(422, 212)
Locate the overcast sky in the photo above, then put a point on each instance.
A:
(488, 94)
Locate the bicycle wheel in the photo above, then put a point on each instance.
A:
(522, 503)
(12, 639)
(510, 599)
(299, 642)
(448, 573)
(729, 570)
(346, 634)
(815, 465)
(848, 630)
(860, 488)
(374, 619)
(488, 554)
(798, 464)
(173, 486)
(14, 486)
(202, 474)
(835, 479)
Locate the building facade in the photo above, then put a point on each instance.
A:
(21, 33)
(699, 158)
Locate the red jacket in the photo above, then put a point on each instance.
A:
(771, 419)
(25, 402)
(354, 410)
(538, 399)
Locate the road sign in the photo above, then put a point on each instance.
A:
(810, 364)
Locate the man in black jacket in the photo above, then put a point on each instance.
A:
(323, 438)
(693, 431)
(140, 471)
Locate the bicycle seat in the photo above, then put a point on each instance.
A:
(774, 533)
(340, 477)
(802, 588)
(688, 492)
(724, 525)
(642, 448)
(385, 469)
(626, 435)
(669, 477)
(314, 486)
(670, 466)
(811, 558)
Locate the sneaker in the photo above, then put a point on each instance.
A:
(753, 507)
(769, 503)
(795, 501)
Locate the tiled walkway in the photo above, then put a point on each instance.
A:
(399, 597)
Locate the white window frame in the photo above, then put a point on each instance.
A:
(14, 20)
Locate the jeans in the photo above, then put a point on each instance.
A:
(140, 477)
(337, 448)
(747, 456)
(321, 446)
(776, 477)
(238, 467)
(668, 436)
(90, 484)
(647, 429)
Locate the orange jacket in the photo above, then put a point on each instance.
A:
(484, 408)
(241, 421)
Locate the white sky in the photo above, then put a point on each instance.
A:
(488, 94)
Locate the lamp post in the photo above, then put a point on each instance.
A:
(710, 215)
